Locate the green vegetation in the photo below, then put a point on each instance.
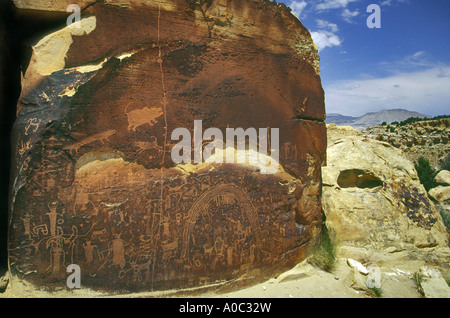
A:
(377, 291)
(426, 173)
(413, 120)
(417, 278)
(324, 256)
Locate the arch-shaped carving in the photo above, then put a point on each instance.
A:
(202, 203)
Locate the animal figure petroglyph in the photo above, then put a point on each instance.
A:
(102, 137)
(141, 116)
(148, 145)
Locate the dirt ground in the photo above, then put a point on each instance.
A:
(396, 273)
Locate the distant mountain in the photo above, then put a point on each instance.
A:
(388, 116)
(339, 119)
(373, 119)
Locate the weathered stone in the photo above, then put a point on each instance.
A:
(358, 266)
(443, 178)
(433, 284)
(373, 197)
(440, 193)
(94, 182)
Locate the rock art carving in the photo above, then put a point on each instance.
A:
(94, 181)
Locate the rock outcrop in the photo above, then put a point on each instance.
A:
(443, 178)
(428, 139)
(373, 197)
(94, 183)
(441, 195)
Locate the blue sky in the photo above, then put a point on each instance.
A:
(403, 64)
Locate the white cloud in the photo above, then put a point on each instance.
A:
(393, 2)
(325, 39)
(417, 61)
(298, 7)
(326, 35)
(425, 91)
(348, 15)
(322, 24)
(333, 4)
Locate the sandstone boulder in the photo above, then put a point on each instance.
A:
(440, 193)
(94, 180)
(373, 197)
(443, 178)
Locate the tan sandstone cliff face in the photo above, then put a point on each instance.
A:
(94, 181)
(373, 197)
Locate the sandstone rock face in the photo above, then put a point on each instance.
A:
(94, 181)
(372, 195)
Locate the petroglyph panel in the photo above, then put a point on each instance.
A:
(150, 233)
(93, 179)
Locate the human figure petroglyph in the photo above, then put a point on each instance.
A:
(137, 269)
(26, 225)
(288, 151)
(52, 217)
(82, 200)
(118, 249)
(88, 251)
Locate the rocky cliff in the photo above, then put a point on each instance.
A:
(428, 139)
(94, 180)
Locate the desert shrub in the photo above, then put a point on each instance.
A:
(413, 120)
(417, 278)
(377, 291)
(324, 256)
(426, 173)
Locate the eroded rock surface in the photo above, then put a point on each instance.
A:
(373, 197)
(94, 182)
(428, 139)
